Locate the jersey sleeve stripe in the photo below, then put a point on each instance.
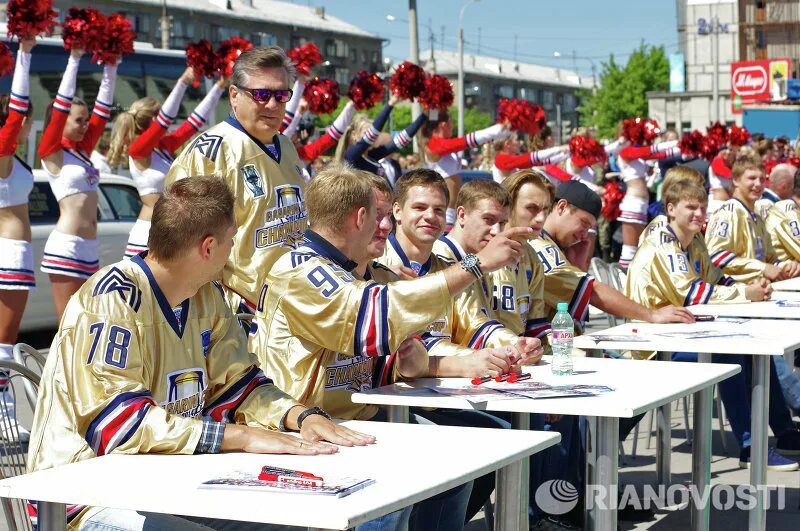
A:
(371, 332)
(481, 336)
(722, 258)
(118, 421)
(429, 340)
(699, 293)
(579, 305)
(224, 408)
(537, 328)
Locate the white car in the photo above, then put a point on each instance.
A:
(118, 208)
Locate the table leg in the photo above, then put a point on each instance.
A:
(397, 414)
(511, 506)
(758, 436)
(701, 457)
(590, 475)
(52, 516)
(601, 493)
(664, 438)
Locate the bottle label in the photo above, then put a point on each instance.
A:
(561, 335)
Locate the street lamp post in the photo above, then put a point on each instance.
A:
(461, 67)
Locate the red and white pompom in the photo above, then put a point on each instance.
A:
(639, 131)
(710, 147)
(438, 93)
(305, 57)
(523, 115)
(585, 151)
(611, 200)
(738, 136)
(691, 144)
(322, 95)
(230, 50)
(201, 57)
(84, 29)
(6, 60)
(117, 40)
(408, 80)
(718, 131)
(365, 90)
(29, 18)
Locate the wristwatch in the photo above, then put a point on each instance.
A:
(311, 411)
(471, 263)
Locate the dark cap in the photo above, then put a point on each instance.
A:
(578, 194)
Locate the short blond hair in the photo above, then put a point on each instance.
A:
(479, 189)
(679, 174)
(188, 211)
(335, 192)
(685, 190)
(514, 183)
(744, 164)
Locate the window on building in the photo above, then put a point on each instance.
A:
(472, 89)
(342, 76)
(568, 102)
(297, 41)
(263, 39)
(504, 91)
(686, 127)
(337, 48)
(375, 57)
(141, 23)
(548, 101)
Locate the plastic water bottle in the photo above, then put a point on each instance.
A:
(563, 332)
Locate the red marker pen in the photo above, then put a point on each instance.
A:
(480, 379)
(289, 476)
(501, 377)
(519, 377)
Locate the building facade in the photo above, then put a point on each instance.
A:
(489, 79)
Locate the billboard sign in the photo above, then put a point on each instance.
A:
(761, 80)
(677, 73)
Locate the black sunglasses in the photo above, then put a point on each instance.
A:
(263, 95)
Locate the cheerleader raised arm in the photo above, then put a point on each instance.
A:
(71, 253)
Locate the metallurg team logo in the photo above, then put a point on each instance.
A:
(186, 391)
(252, 179)
(523, 304)
(285, 222)
(353, 373)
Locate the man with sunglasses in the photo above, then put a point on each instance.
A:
(262, 168)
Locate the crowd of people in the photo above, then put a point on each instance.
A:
(358, 268)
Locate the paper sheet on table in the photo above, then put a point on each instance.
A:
(787, 304)
(527, 389)
(472, 393)
(240, 480)
(703, 334)
(597, 338)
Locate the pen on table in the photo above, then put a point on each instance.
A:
(514, 377)
(293, 477)
(501, 377)
(480, 379)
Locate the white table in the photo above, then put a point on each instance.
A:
(760, 338)
(409, 463)
(792, 284)
(639, 387)
(755, 310)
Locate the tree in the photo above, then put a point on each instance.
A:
(622, 89)
(473, 119)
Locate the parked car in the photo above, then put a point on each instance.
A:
(118, 208)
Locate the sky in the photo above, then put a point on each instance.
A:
(592, 29)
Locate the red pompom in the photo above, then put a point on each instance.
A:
(438, 93)
(201, 58)
(117, 40)
(6, 60)
(691, 144)
(769, 165)
(366, 89)
(585, 151)
(710, 147)
(640, 132)
(523, 115)
(408, 80)
(305, 57)
(322, 95)
(718, 131)
(230, 50)
(29, 18)
(611, 200)
(794, 161)
(738, 136)
(84, 29)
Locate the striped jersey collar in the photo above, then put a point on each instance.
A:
(419, 269)
(746, 208)
(325, 248)
(167, 311)
(454, 246)
(273, 150)
(769, 194)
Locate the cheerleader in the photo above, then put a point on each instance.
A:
(441, 151)
(366, 147)
(634, 170)
(16, 260)
(141, 133)
(508, 158)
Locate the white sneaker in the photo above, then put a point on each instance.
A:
(13, 431)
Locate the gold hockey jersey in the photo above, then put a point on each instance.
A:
(267, 183)
(325, 327)
(783, 225)
(129, 374)
(563, 282)
(738, 241)
(663, 273)
(464, 326)
(518, 296)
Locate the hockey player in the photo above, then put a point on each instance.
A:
(150, 359)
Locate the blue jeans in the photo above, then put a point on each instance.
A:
(735, 394)
(790, 383)
(563, 461)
